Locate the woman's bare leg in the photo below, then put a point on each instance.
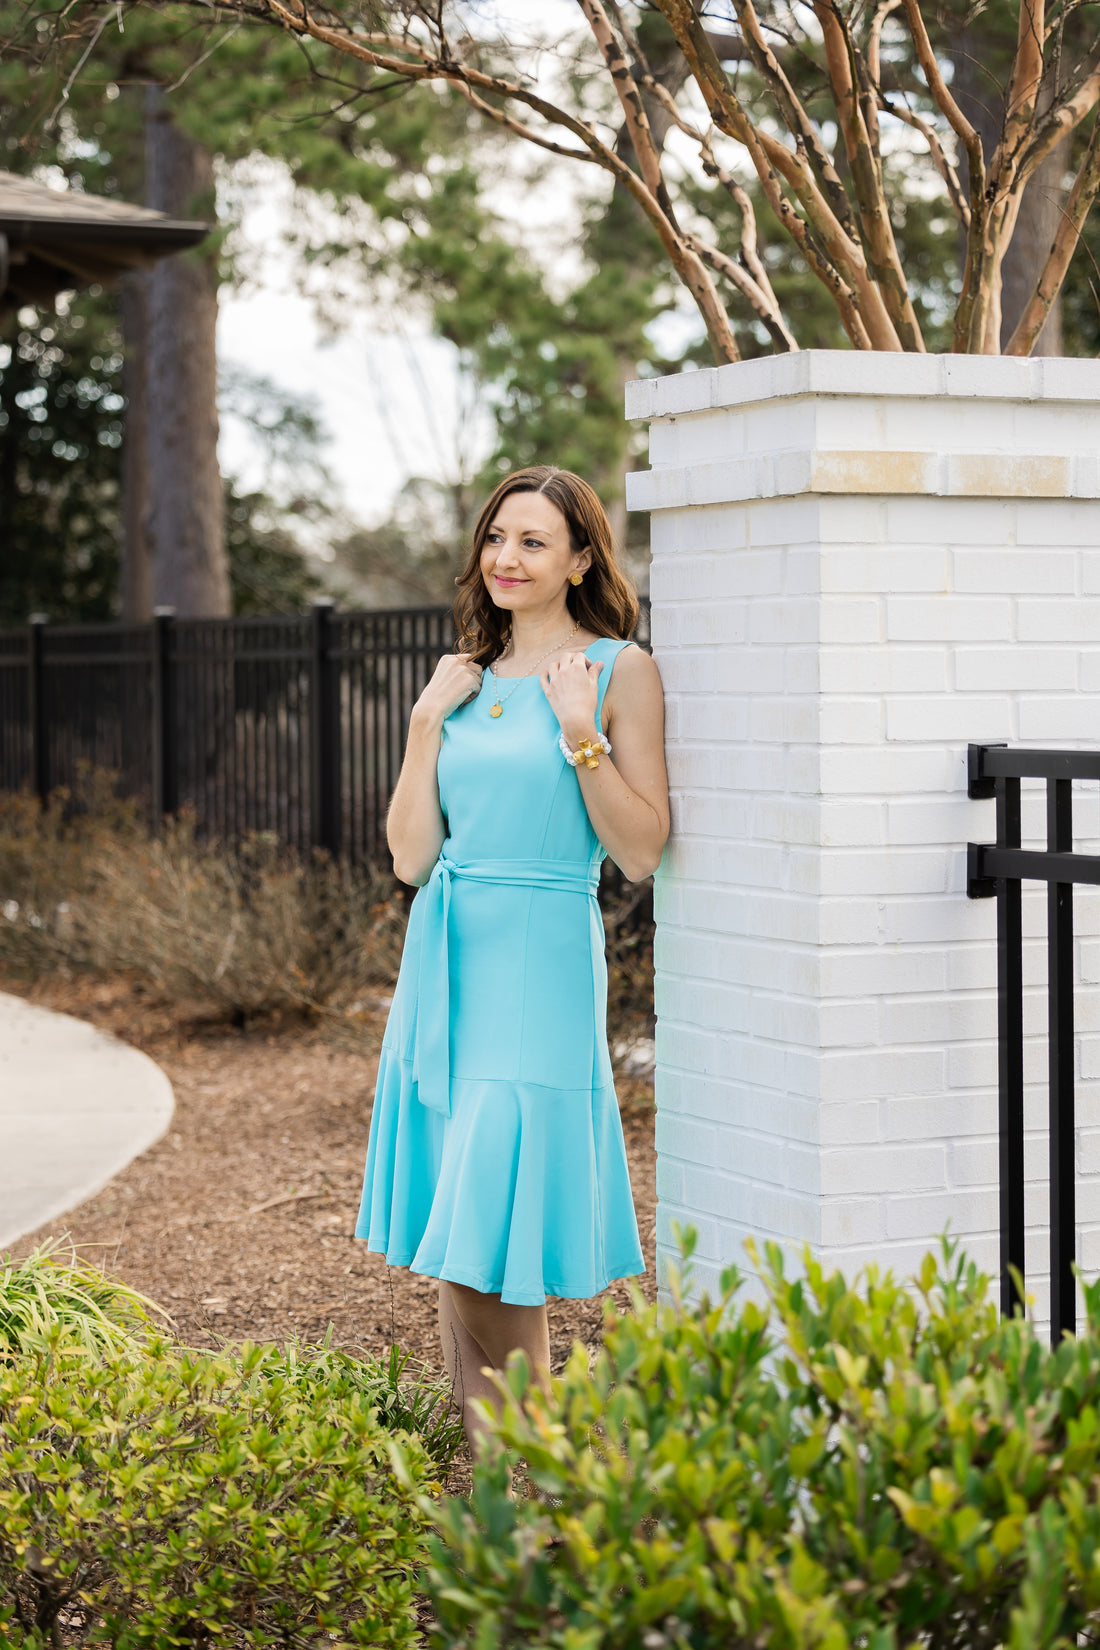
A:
(483, 1329)
(465, 1362)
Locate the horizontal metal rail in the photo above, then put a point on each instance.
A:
(988, 763)
(987, 862)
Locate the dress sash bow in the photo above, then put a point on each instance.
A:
(432, 1046)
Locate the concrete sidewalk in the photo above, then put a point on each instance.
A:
(75, 1107)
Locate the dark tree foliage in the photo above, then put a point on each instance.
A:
(267, 570)
(61, 418)
(405, 178)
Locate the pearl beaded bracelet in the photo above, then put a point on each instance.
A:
(586, 750)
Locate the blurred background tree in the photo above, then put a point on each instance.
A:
(61, 434)
(805, 110)
(403, 185)
(61, 426)
(403, 195)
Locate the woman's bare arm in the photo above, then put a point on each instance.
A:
(627, 795)
(415, 826)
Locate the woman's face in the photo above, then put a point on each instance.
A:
(526, 558)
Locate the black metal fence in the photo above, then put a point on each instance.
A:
(291, 725)
(997, 870)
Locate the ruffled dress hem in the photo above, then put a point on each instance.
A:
(513, 1228)
(450, 1274)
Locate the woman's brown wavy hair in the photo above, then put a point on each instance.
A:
(605, 602)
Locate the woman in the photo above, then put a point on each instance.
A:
(496, 1161)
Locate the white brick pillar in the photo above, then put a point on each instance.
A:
(860, 564)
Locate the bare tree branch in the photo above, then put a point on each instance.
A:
(838, 218)
(71, 81)
(1082, 195)
(749, 289)
(935, 149)
(687, 263)
(874, 211)
(1027, 75)
(630, 101)
(750, 275)
(1062, 118)
(834, 255)
(508, 124)
(970, 315)
(962, 128)
(882, 11)
(796, 119)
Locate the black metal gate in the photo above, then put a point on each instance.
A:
(996, 870)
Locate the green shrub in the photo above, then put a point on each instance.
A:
(872, 1465)
(154, 1498)
(48, 1299)
(45, 1293)
(405, 1396)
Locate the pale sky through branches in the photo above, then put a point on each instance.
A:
(391, 395)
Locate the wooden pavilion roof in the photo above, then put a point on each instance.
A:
(52, 240)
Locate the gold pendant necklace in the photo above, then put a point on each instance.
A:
(498, 704)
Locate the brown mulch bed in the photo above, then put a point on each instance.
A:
(239, 1221)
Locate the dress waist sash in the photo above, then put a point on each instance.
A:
(432, 1046)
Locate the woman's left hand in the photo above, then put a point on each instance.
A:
(570, 684)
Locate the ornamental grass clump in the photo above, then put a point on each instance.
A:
(49, 1293)
(878, 1464)
(158, 1497)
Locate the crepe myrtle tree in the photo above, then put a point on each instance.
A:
(787, 103)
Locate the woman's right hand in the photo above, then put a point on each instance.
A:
(455, 679)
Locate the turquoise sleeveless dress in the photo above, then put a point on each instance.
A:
(496, 1156)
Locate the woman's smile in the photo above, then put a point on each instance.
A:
(508, 583)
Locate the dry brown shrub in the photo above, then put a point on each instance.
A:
(245, 930)
(45, 867)
(628, 928)
(239, 931)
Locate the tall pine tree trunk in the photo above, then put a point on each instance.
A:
(135, 574)
(186, 501)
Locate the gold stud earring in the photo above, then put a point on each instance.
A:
(576, 578)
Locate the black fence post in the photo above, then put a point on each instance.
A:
(324, 742)
(1063, 1211)
(165, 754)
(36, 708)
(1010, 1055)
